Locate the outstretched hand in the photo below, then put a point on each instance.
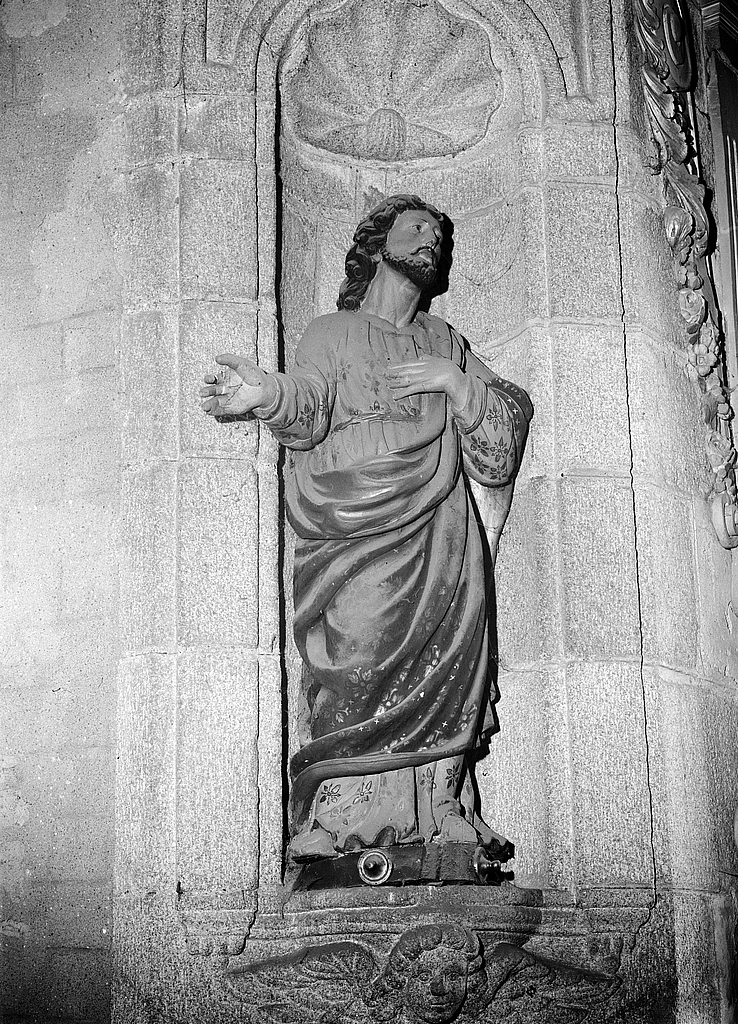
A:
(257, 388)
(427, 375)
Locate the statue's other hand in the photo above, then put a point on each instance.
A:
(256, 390)
(434, 373)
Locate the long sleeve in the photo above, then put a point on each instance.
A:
(300, 415)
(493, 425)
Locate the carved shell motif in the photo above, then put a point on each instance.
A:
(383, 80)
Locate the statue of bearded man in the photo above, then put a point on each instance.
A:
(388, 415)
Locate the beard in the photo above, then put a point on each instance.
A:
(418, 271)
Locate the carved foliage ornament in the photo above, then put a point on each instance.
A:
(382, 80)
(668, 74)
(434, 974)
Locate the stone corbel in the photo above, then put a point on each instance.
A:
(668, 81)
(434, 973)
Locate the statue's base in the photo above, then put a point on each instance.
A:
(431, 864)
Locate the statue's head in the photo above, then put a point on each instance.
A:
(398, 231)
(431, 972)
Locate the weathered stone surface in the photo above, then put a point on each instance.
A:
(498, 276)
(91, 341)
(33, 353)
(649, 290)
(44, 718)
(148, 555)
(525, 780)
(33, 471)
(74, 983)
(32, 564)
(86, 465)
(71, 253)
(89, 586)
(272, 596)
(725, 915)
(307, 179)
(695, 955)
(666, 420)
(298, 299)
(145, 783)
(59, 653)
(148, 132)
(694, 761)
(145, 985)
(86, 774)
(717, 614)
(58, 638)
(580, 151)
(650, 988)
(332, 242)
(204, 74)
(82, 852)
(270, 750)
(666, 573)
(218, 126)
(610, 797)
(217, 778)
(527, 589)
(582, 248)
(72, 915)
(591, 433)
(37, 188)
(461, 190)
(141, 215)
(217, 225)
(149, 386)
(635, 151)
(151, 34)
(217, 593)
(596, 531)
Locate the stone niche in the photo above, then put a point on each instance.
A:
(502, 115)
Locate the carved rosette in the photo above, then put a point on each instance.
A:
(385, 81)
(668, 77)
(434, 974)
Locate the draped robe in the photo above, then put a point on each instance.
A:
(391, 617)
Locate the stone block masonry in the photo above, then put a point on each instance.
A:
(58, 507)
(155, 210)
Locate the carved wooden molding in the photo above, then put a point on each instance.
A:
(721, 15)
(668, 81)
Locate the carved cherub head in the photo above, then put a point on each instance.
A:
(432, 971)
(370, 243)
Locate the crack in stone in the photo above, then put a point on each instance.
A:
(639, 603)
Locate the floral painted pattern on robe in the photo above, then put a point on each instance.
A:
(390, 595)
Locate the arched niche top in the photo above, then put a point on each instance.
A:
(380, 80)
(533, 25)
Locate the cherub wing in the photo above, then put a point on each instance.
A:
(523, 985)
(314, 985)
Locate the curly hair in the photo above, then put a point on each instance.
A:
(370, 238)
(386, 991)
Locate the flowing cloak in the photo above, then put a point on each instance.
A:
(389, 584)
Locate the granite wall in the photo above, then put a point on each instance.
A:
(180, 184)
(61, 311)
